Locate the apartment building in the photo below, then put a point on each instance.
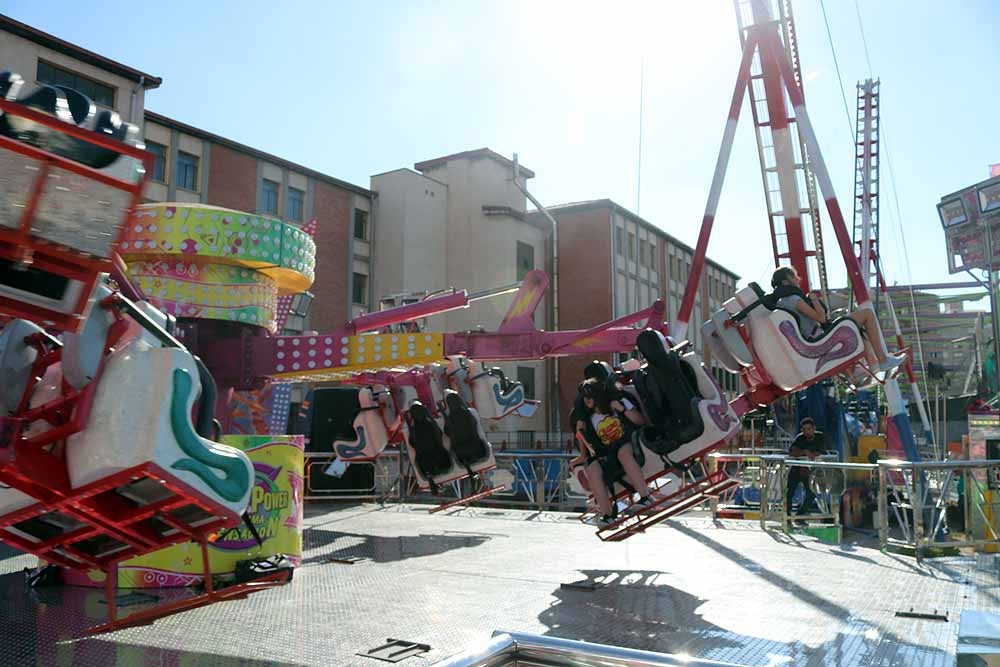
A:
(613, 262)
(460, 221)
(41, 58)
(193, 165)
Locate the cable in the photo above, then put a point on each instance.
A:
(901, 239)
(864, 41)
(836, 64)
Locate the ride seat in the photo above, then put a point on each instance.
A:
(495, 395)
(789, 358)
(669, 394)
(458, 375)
(17, 359)
(696, 415)
(141, 415)
(370, 432)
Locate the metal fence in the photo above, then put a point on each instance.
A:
(918, 495)
(913, 499)
(828, 478)
(509, 649)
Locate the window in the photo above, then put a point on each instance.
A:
(269, 197)
(159, 152)
(99, 93)
(187, 171)
(653, 264)
(360, 224)
(526, 376)
(359, 289)
(294, 204)
(642, 253)
(631, 246)
(620, 241)
(525, 259)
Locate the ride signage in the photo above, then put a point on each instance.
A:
(967, 216)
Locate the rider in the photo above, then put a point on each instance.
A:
(812, 317)
(580, 415)
(613, 421)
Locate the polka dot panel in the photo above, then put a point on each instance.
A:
(250, 303)
(321, 357)
(281, 251)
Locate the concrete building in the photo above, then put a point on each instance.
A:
(43, 58)
(612, 263)
(948, 343)
(192, 165)
(460, 221)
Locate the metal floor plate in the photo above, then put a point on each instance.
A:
(719, 590)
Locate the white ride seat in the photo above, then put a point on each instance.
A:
(17, 359)
(141, 417)
(371, 433)
(458, 376)
(687, 411)
(792, 361)
(495, 396)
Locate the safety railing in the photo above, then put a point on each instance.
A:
(918, 496)
(744, 466)
(827, 478)
(378, 480)
(536, 480)
(509, 649)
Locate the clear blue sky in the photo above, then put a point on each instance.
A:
(357, 88)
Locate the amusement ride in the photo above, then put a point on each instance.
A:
(127, 328)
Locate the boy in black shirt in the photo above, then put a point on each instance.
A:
(809, 443)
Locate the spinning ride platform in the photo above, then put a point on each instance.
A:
(721, 591)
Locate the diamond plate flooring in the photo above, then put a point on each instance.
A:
(720, 590)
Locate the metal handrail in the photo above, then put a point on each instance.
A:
(918, 494)
(508, 649)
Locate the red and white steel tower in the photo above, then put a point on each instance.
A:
(786, 170)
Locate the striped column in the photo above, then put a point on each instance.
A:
(902, 433)
(718, 178)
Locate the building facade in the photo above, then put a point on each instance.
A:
(41, 58)
(460, 222)
(613, 262)
(192, 165)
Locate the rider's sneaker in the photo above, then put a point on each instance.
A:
(891, 362)
(639, 506)
(600, 521)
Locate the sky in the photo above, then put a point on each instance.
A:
(353, 89)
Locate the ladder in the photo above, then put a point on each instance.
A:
(866, 181)
(789, 185)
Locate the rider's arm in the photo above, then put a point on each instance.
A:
(809, 311)
(630, 412)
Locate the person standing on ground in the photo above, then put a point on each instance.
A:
(809, 443)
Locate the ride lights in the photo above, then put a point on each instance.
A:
(952, 212)
(988, 193)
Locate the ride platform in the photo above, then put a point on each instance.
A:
(717, 590)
